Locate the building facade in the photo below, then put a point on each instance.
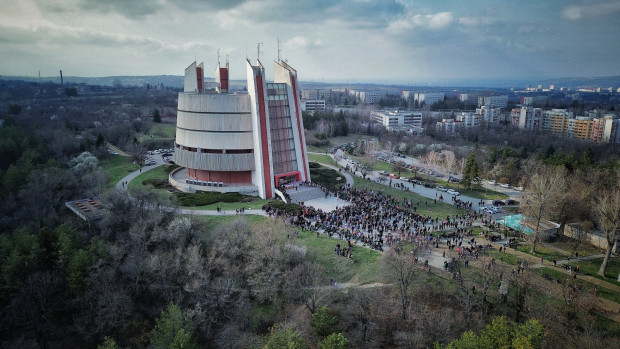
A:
(493, 101)
(394, 120)
(254, 140)
(592, 127)
(429, 98)
(312, 105)
(368, 96)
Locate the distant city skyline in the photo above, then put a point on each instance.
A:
(404, 42)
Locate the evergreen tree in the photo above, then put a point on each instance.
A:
(324, 321)
(156, 116)
(334, 341)
(471, 171)
(172, 329)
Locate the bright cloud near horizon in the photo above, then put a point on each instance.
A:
(325, 40)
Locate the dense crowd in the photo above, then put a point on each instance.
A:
(376, 219)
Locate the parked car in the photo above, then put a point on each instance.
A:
(441, 187)
(512, 202)
(519, 188)
(429, 185)
(383, 173)
(453, 192)
(498, 203)
(393, 176)
(492, 210)
(403, 178)
(505, 185)
(453, 179)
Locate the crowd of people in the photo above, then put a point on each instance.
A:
(375, 219)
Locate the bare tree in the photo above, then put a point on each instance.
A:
(545, 193)
(449, 160)
(398, 167)
(607, 215)
(400, 268)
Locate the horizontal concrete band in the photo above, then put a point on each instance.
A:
(214, 162)
(215, 140)
(214, 103)
(214, 121)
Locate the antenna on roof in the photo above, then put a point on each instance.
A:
(279, 50)
(258, 50)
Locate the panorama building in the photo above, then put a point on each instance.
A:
(240, 142)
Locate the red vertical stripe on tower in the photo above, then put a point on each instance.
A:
(199, 78)
(263, 136)
(299, 128)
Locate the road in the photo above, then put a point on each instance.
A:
(434, 193)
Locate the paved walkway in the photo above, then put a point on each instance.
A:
(130, 177)
(305, 193)
(116, 149)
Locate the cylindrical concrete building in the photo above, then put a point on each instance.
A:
(240, 142)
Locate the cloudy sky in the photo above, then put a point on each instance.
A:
(331, 40)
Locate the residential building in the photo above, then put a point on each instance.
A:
(368, 96)
(394, 120)
(489, 115)
(429, 98)
(315, 93)
(449, 125)
(591, 127)
(468, 119)
(313, 105)
(493, 101)
(526, 118)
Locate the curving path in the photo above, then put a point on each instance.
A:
(158, 162)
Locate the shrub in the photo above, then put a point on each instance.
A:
(291, 209)
(207, 198)
(324, 321)
(157, 183)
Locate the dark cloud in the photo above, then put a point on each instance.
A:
(214, 5)
(130, 9)
(348, 13)
(141, 8)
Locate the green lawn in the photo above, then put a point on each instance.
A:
(213, 222)
(567, 244)
(363, 268)
(159, 172)
(546, 252)
(439, 209)
(116, 167)
(323, 159)
(159, 132)
(557, 274)
(504, 257)
(590, 267)
(162, 173)
(476, 192)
